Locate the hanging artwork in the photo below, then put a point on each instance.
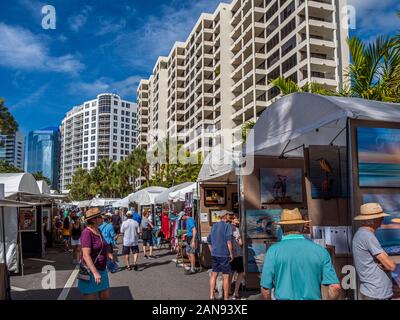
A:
(324, 164)
(281, 185)
(256, 255)
(261, 224)
(378, 157)
(27, 220)
(235, 203)
(214, 196)
(389, 233)
(189, 200)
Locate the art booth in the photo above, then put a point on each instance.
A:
(325, 156)
(217, 190)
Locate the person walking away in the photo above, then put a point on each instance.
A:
(94, 258)
(220, 245)
(66, 233)
(147, 237)
(116, 222)
(237, 263)
(137, 217)
(76, 232)
(297, 267)
(192, 242)
(130, 229)
(372, 263)
(107, 231)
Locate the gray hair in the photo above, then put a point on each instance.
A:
(292, 228)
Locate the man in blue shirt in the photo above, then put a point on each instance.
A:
(136, 216)
(107, 230)
(297, 267)
(192, 243)
(220, 245)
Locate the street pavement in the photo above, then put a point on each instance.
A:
(156, 279)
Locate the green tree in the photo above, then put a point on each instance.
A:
(8, 125)
(79, 189)
(288, 86)
(375, 69)
(246, 128)
(39, 176)
(6, 167)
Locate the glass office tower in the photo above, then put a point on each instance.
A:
(44, 147)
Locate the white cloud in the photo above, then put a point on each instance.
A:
(32, 99)
(158, 34)
(125, 88)
(109, 26)
(23, 50)
(76, 22)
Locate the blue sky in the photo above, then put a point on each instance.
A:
(104, 45)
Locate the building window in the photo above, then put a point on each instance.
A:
(86, 152)
(93, 131)
(128, 105)
(115, 102)
(93, 144)
(94, 103)
(115, 144)
(86, 146)
(92, 164)
(122, 119)
(115, 158)
(93, 151)
(116, 118)
(128, 113)
(115, 110)
(115, 137)
(86, 126)
(87, 113)
(115, 151)
(86, 120)
(85, 158)
(122, 111)
(115, 131)
(86, 139)
(123, 104)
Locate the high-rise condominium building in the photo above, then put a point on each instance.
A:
(220, 77)
(43, 153)
(101, 128)
(12, 149)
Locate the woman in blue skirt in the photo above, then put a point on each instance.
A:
(94, 258)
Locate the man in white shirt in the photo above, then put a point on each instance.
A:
(130, 229)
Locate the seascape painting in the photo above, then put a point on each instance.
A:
(256, 255)
(379, 157)
(261, 224)
(281, 185)
(389, 233)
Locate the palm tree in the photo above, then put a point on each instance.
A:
(246, 128)
(375, 69)
(79, 189)
(288, 86)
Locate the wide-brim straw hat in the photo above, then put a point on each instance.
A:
(371, 211)
(292, 217)
(223, 213)
(397, 220)
(93, 213)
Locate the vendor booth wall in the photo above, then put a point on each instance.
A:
(32, 241)
(388, 197)
(11, 228)
(334, 212)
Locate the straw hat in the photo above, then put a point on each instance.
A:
(129, 214)
(92, 213)
(292, 217)
(223, 213)
(371, 211)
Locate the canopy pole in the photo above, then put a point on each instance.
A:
(284, 149)
(8, 287)
(337, 136)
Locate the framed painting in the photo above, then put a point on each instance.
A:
(235, 203)
(261, 224)
(378, 157)
(27, 220)
(214, 197)
(281, 185)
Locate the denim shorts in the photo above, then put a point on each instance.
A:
(221, 264)
(189, 249)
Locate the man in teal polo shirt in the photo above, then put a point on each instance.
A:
(297, 267)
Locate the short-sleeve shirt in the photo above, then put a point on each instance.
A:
(190, 224)
(374, 282)
(130, 229)
(145, 223)
(237, 249)
(218, 238)
(98, 247)
(297, 267)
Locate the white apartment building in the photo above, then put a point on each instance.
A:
(220, 77)
(12, 149)
(101, 128)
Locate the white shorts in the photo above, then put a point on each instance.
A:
(75, 242)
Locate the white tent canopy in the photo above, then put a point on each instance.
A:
(122, 203)
(146, 197)
(15, 183)
(101, 202)
(43, 187)
(83, 204)
(163, 197)
(220, 165)
(308, 119)
(179, 195)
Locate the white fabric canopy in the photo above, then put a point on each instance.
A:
(101, 202)
(83, 204)
(179, 195)
(163, 197)
(308, 119)
(15, 183)
(122, 203)
(146, 197)
(43, 187)
(219, 165)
